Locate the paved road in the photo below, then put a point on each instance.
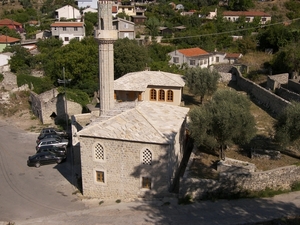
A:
(29, 192)
(44, 196)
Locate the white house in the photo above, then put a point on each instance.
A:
(249, 16)
(68, 30)
(192, 57)
(67, 12)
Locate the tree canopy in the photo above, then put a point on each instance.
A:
(129, 57)
(223, 121)
(287, 126)
(201, 81)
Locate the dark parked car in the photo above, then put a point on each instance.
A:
(52, 130)
(49, 135)
(59, 151)
(43, 158)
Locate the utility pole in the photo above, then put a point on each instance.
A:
(64, 81)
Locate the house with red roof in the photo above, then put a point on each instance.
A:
(6, 41)
(197, 57)
(68, 30)
(249, 16)
(13, 25)
(192, 57)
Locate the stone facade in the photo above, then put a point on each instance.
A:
(275, 81)
(49, 102)
(232, 183)
(123, 167)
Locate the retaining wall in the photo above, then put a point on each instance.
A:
(231, 183)
(263, 96)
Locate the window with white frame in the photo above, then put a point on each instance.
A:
(175, 59)
(75, 28)
(100, 176)
(64, 28)
(192, 62)
(146, 182)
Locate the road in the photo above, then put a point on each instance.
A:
(29, 192)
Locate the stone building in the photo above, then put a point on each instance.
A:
(50, 106)
(132, 149)
(154, 86)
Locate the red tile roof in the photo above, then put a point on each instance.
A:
(233, 55)
(192, 52)
(67, 24)
(6, 39)
(5, 22)
(246, 13)
(114, 9)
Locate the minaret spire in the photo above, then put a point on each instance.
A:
(105, 35)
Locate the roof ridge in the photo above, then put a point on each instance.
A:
(151, 124)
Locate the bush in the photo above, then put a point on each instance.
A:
(76, 95)
(38, 84)
(1, 77)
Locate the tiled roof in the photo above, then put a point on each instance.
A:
(246, 13)
(147, 122)
(233, 55)
(114, 9)
(67, 24)
(139, 81)
(7, 39)
(9, 22)
(193, 52)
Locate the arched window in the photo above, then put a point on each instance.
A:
(170, 96)
(147, 157)
(98, 152)
(161, 96)
(152, 95)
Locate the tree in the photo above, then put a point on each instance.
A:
(287, 126)
(152, 25)
(287, 59)
(240, 5)
(225, 120)
(21, 62)
(129, 57)
(201, 81)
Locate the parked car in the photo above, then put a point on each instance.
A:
(53, 141)
(52, 130)
(43, 158)
(59, 151)
(49, 135)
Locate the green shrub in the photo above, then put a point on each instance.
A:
(38, 84)
(1, 77)
(76, 95)
(118, 200)
(185, 200)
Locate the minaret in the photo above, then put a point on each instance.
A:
(105, 35)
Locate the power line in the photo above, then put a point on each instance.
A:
(232, 31)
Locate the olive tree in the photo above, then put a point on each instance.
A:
(201, 81)
(223, 121)
(287, 126)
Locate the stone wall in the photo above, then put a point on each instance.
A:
(275, 81)
(123, 169)
(294, 86)
(231, 183)
(263, 96)
(288, 95)
(47, 103)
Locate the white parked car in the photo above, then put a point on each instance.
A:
(59, 142)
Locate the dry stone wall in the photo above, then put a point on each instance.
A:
(263, 96)
(232, 183)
